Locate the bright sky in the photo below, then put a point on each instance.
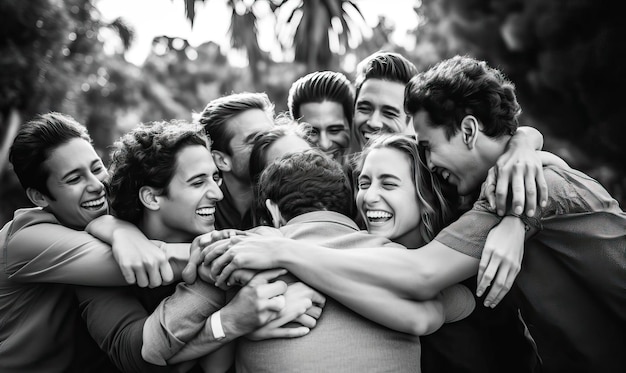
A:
(151, 18)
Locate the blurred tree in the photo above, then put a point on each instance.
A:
(242, 31)
(317, 31)
(50, 56)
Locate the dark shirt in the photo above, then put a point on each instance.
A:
(227, 216)
(487, 341)
(571, 289)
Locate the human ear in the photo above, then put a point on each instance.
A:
(277, 217)
(149, 198)
(469, 130)
(36, 197)
(222, 160)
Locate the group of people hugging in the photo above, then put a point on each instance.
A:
(402, 222)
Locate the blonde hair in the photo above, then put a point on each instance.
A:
(435, 211)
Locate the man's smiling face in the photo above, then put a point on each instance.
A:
(451, 159)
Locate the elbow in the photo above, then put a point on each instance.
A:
(421, 326)
(425, 284)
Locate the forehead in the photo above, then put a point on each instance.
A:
(75, 154)
(193, 160)
(322, 113)
(382, 93)
(286, 145)
(388, 161)
(244, 124)
(424, 129)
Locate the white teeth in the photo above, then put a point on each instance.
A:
(95, 203)
(206, 211)
(378, 214)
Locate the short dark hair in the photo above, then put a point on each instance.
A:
(219, 111)
(146, 156)
(318, 87)
(461, 86)
(389, 66)
(260, 142)
(35, 141)
(305, 182)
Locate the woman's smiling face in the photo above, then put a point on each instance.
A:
(387, 198)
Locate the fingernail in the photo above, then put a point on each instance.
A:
(518, 210)
(500, 212)
(487, 304)
(531, 213)
(479, 293)
(493, 305)
(544, 203)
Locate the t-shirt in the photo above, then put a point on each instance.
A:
(227, 216)
(40, 328)
(572, 286)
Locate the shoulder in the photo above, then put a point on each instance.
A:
(572, 191)
(31, 216)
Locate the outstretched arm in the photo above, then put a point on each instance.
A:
(39, 249)
(52, 253)
(181, 329)
(358, 278)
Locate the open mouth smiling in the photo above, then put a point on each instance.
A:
(94, 204)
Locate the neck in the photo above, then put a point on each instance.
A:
(490, 150)
(241, 193)
(410, 240)
(154, 229)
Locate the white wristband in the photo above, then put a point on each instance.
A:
(216, 326)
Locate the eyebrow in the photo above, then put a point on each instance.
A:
(202, 174)
(384, 176)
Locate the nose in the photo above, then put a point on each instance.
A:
(214, 192)
(429, 162)
(95, 183)
(371, 195)
(375, 120)
(324, 142)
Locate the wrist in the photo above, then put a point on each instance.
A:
(284, 255)
(229, 324)
(216, 326)
(515, 223)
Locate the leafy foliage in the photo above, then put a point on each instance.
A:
(564, 56)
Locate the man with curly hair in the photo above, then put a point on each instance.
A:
(164, 181)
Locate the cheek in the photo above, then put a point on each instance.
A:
(341, 138)
(359, 119)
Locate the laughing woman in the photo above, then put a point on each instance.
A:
(399, 199)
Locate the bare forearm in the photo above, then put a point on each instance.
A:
(386, 308)
(407, 274)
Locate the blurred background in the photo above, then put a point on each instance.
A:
(115, 63)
